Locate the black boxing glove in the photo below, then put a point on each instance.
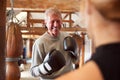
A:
(70, 45)
(53, 62)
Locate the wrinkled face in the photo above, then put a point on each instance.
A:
(53, 24)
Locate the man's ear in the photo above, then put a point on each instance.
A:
(44, 24)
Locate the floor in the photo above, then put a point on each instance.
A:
(25, 74)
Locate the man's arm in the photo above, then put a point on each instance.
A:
(36, 60)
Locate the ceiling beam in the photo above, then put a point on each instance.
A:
(41, 30)
(43, 4)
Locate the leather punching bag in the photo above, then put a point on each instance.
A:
(14, 49)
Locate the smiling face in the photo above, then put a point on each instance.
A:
(53, 23)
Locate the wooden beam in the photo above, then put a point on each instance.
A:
(44, 4)
(41, 30)
(31, 21)
(43, 10)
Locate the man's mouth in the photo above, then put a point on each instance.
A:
(55, 28)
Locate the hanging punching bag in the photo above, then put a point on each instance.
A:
(14, 48)
(14, 41)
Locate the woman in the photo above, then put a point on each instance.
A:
(104, 63)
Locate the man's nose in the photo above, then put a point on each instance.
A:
(56, 23)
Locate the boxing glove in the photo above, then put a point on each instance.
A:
(53, 62)
(70, 45)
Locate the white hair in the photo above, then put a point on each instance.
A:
(52, 11)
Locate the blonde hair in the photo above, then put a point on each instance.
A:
(110, 9)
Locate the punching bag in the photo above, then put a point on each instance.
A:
(14, 49)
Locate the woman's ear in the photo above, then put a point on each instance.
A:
(87, 6)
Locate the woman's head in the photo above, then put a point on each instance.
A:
(110, 9)
(101, 29)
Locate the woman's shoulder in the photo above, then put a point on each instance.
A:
(89, 71)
